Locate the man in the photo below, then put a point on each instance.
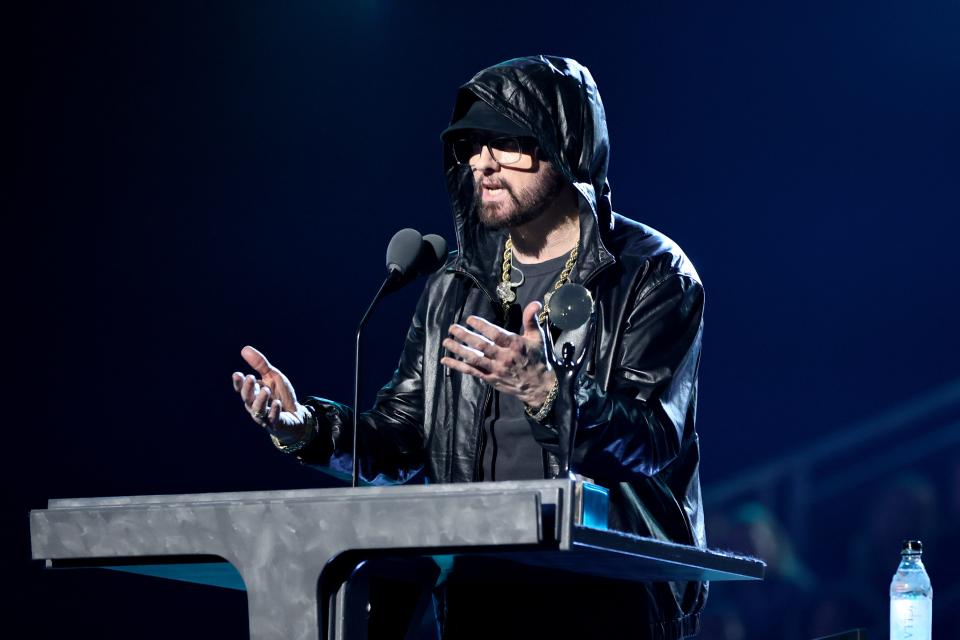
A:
(526, 163)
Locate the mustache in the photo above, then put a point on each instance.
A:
(478, 189)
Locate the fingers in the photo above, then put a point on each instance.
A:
(259, 406)
(498, 335)
(488, 350)
(270, 413)
(273, 414)
(256, 360)
(237, 380)
(248, 390)
(474, 340)
(463, 367)
(473, 357)
(478, 352)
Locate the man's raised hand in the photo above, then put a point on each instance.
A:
(270, 399)
(510, 363)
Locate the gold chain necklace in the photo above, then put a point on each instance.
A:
(505, 289)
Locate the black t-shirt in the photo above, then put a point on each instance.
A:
(509, 451)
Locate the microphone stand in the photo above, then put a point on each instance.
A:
(391, 277)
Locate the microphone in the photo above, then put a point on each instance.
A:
(409, 255)
(402, 252)
(434, 253)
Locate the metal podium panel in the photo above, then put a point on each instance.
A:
(283, 542)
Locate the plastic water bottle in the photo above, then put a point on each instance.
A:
(911, 596)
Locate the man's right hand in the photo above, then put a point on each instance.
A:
(270, 399)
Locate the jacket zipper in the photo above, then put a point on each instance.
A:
(481, 435)
(488, 392)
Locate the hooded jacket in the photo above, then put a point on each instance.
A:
(637, 392)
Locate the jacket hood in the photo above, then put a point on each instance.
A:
(557, 99)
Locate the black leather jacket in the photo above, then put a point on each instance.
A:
(637, 393)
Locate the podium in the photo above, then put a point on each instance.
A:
(293, 551)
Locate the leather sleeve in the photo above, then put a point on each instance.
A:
(635, 427)
(391, 438)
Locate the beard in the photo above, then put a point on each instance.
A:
(523, 205)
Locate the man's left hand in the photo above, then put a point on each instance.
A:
(510, 363)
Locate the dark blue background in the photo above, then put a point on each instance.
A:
(191, 177)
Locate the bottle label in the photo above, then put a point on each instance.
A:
(910, 618)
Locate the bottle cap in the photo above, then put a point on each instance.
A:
(911, 546)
